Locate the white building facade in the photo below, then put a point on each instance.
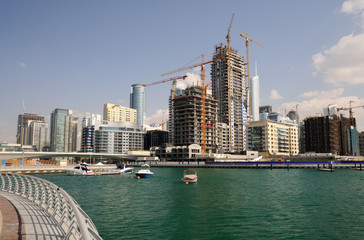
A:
(273, 138)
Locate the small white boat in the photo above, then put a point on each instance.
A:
(144, 172)
(189, 176)
(80, 170)
(122, 169)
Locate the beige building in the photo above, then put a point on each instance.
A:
(117, 113)
(273, 138)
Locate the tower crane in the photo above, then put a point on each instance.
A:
(350, 108)
(203, 95)
(229, 82)
(247, 40)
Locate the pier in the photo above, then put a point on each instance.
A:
(33, 208)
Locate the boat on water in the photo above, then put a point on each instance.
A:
(122, 169)
(80, 170)
(190, 176)
(144, 172)
(326, 169)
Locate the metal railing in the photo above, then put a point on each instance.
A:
(55, 202)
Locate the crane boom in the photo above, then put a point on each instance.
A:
(189, 67)
(350, 108)
(165, 80)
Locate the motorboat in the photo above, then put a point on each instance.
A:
(144, 172)
(80, 170)
(189, 176)
(122, 169)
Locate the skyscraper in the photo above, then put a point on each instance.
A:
(22, 136)
(137, 101)
(187, 119)
(255, 95)
(38, 134)
(233, 98)
(61, 130)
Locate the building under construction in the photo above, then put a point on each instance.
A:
(187, 118)
(229, 87)
(331, 134)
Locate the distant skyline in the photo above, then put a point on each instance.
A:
(79, 55)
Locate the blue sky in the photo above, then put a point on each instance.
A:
(81, 54)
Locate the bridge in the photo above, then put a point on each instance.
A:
(24, 155)
(33, 208)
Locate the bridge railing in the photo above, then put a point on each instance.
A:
(55, 202)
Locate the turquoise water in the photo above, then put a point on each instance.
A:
(224, 204)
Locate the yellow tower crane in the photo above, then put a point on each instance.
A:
(247, 40)
(350, 108)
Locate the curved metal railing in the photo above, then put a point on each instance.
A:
(55, 202)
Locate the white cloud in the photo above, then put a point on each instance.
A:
(323, 94)
(193, 78)
(353, 6)
(313, 107)
(24, 65)
(343, 62)
(159, 116)
(356, 8)
(274, 95)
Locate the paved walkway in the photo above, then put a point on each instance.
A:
(11, 226)
(23, 219)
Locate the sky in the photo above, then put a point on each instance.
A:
(82, 54)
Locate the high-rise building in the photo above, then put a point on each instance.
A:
(102, 136)
(232, 98)
(117, 113)
(137, 101)
(61, 130)
(331, 134)
(361, 143)
(89, 123)
(155, 138)
(118, 137)
(38, 134)
(293, 115)
(187, 118)
(22, 136)
(255, 95)
(74, 134)
(265, 109)
(273, 138)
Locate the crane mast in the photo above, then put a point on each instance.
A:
(247, 39)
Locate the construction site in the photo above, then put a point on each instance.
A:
(332, 133)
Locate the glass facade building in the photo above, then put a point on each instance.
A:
(137, 101)
(61, 130)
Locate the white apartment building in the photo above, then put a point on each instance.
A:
(273, 138)
(117, 113)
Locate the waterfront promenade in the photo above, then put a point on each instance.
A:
(33, 208)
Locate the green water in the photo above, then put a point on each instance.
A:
(224, 204)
